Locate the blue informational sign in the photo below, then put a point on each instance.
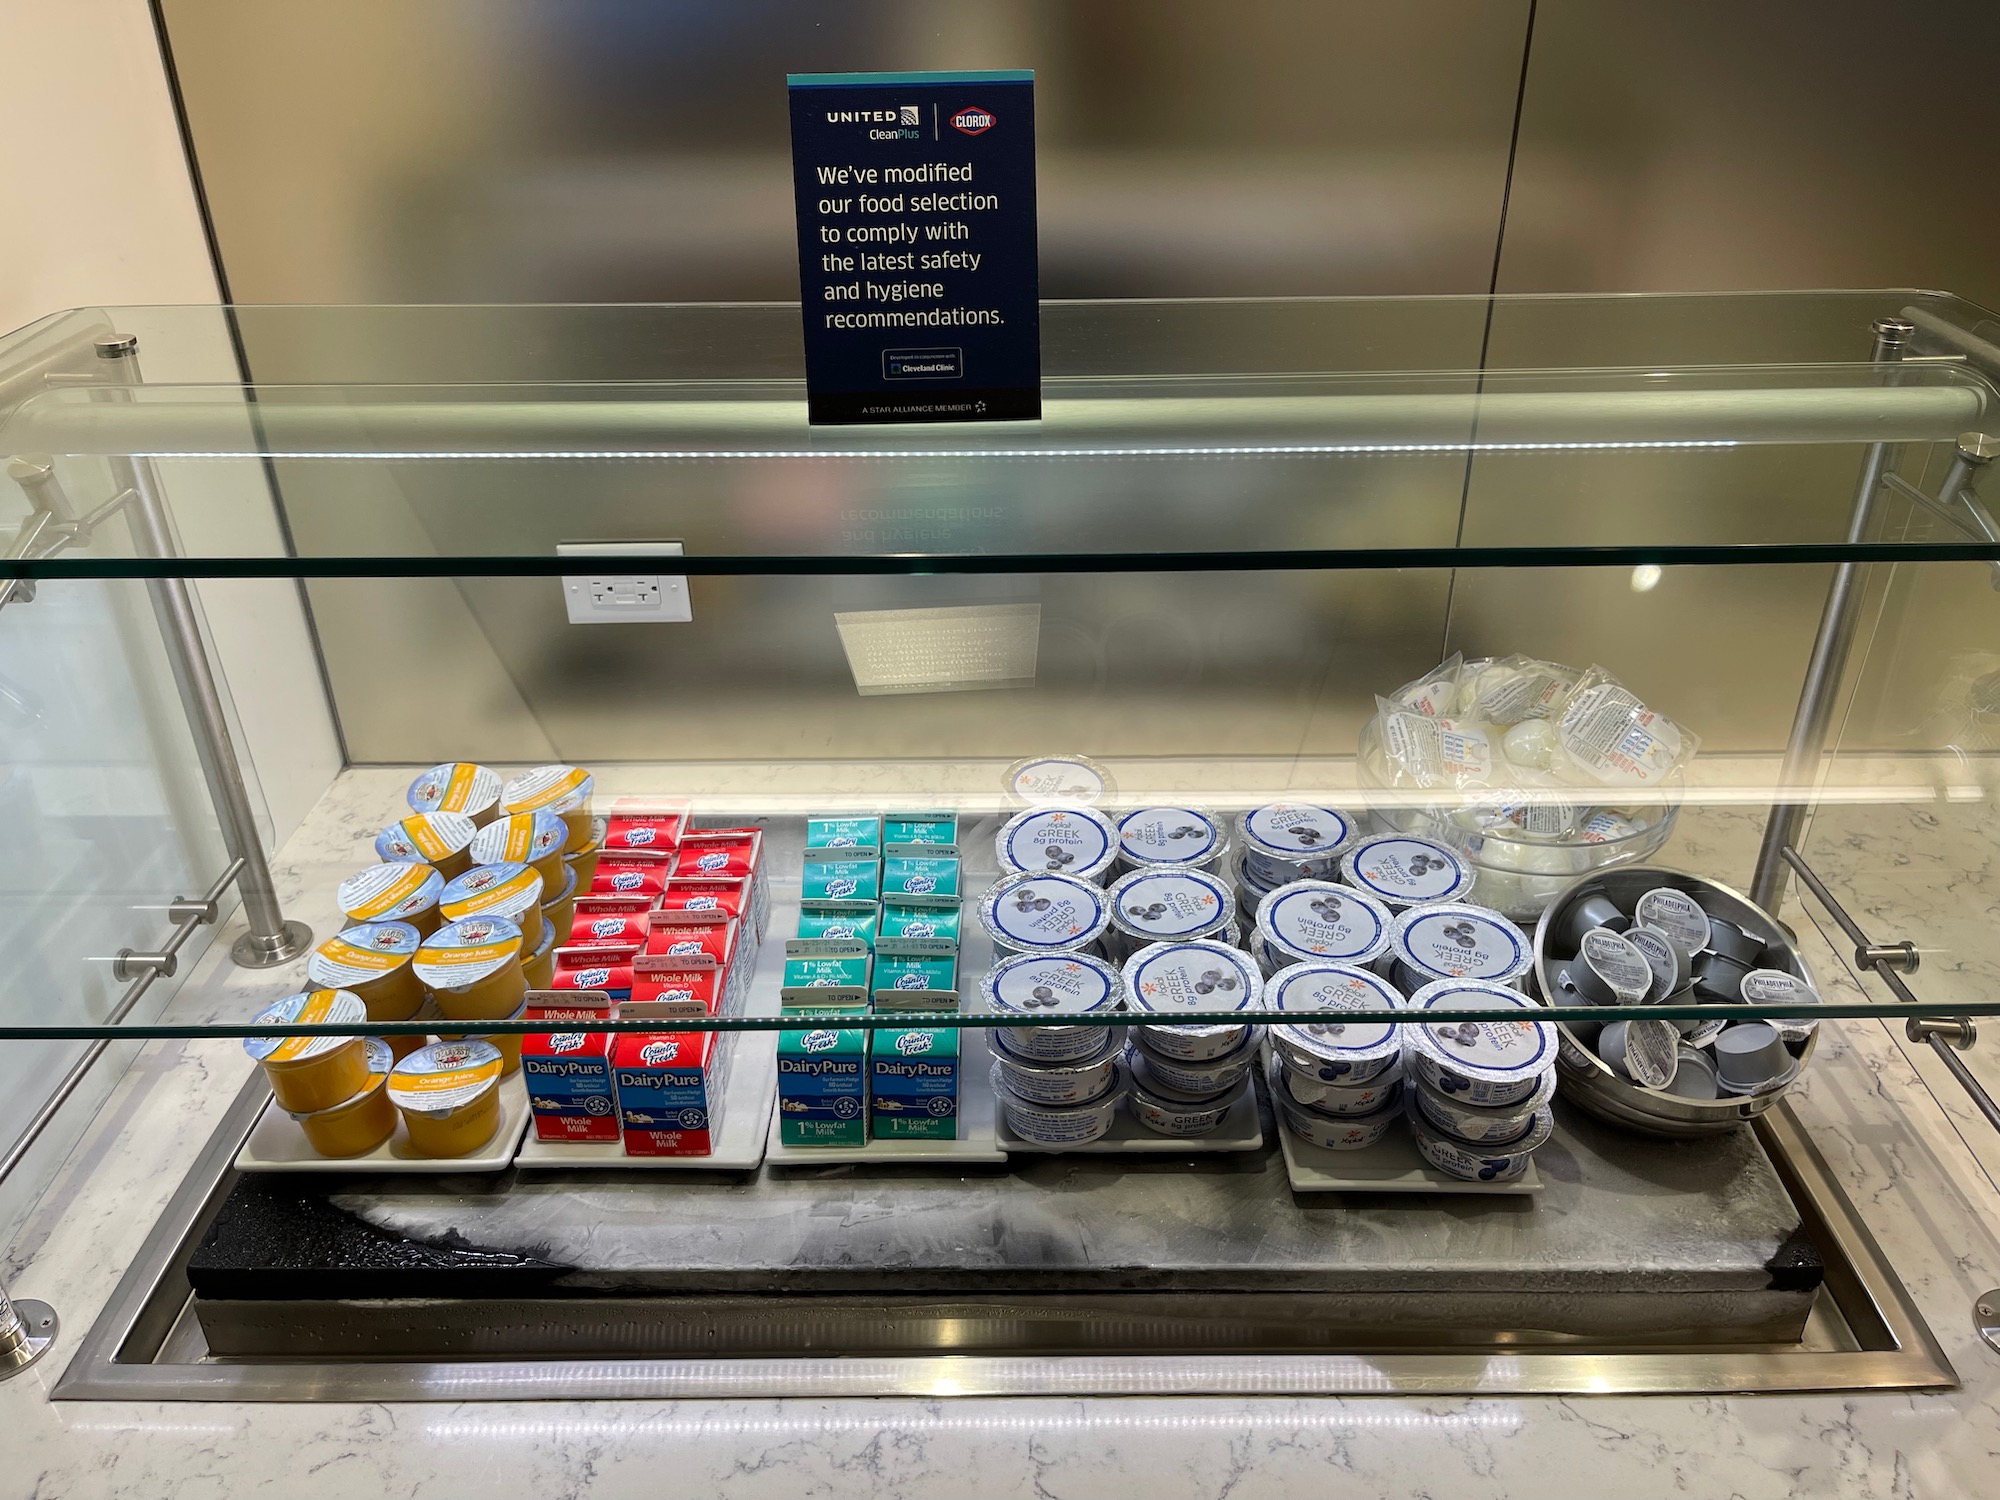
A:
(917, 259)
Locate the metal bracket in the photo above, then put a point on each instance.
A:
(27, 1329)
(1986, 1318)
(129, 965)
(1957, 1030)
(1880, 956)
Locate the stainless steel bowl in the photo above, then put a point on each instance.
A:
(1586, 1079)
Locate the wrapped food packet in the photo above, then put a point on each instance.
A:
(1609, 736)
(1431, 751)
(1515, 689)
(1435, 694)
(1523, 806)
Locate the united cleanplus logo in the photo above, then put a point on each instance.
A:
(972, 120)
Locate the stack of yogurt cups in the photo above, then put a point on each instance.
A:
(1335, 1083)
(1171, 836)
(1282, 843)
(1058, 840)
(1168, 904)
(1057, 1085)
(1185, 1078)
(1477, 1092)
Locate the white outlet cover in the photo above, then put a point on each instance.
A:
(622, 596)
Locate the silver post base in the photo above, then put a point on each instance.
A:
(253, 952)
(37, 1332)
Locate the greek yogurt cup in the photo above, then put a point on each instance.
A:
(1340, 1099)
(1053, 984)
(1478, 1124)
(1320, 1045)
(1162, 978)
(1402, 871)
(1286, 841)
(1073, 779)
(1173, 836)
(1334, 1132)
(1494, 1063)
(1059, 1125)
(1159, 904)
(1198, 1079)
(1043, 914)
(1488, 1161)
(1454, 941)
(1315, 921)
(1059, 1083)
(1058, 840)
(1168, 1111)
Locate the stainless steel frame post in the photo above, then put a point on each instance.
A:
(1785, 828)
(27, 1329)
(271, 940)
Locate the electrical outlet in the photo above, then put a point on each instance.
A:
(621, 597)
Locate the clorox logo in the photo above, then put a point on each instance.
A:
(912, 1042)
(637, 836)
(654, 1053)
(590, 979)
(566, 1041)
(817, 1041)
(973, 120)
(607, 927)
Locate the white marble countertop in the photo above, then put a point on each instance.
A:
(1911, 1161)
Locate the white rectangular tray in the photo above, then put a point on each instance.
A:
(977, 1140)
(277, 1144)
(1392, 1165)
(1240, 1130)
(746, 1116)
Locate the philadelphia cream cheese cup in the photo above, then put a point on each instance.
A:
(449, 1097)
(1494, 1063)
(1402, 871)
(457, 787)
(1182, 838)
(1043, 914)
(1073, 779)
(1167, 1111)
(534, 839)
(1198, 1079)
(441, 840)
(1286, 841)
(393, 893)
(1453, 941)
(1060, 1083)
(311, 1073)
(511, 890)
(1053, 984)
(1341, 1099)
(1333, 1132)
(358, 1124)
(1489, 1161)
(1677, 914)
(1608, 970)
(1163, 978)
(1776, 987)
(1059, 1125)
(473, 969)
(1316, 1042)
(372, 961)
(564, 790)
(1477, 1124)
(1158, 905)
(1315, 921)
(1058, 840)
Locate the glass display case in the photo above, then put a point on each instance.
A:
(1320, 865)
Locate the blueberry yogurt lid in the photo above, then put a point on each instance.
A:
(1060, 840)
(1405, 871)
(1073, 779)
(1171, 835)
(1154, 904)
(1044, 913)
(1294, 833)
(1317, 920)
(1450, 941)
(1054, 984)
(1162, 978)
(1318, 989)
(1493, 1051)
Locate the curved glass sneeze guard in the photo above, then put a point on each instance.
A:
(1175, 434)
